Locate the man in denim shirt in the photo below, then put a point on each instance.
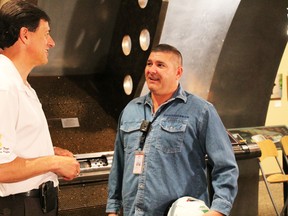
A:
(163, 142)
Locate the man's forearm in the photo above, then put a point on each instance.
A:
(21, 169)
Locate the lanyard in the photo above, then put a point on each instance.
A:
(145, 126)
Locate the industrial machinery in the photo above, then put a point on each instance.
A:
(94, 167)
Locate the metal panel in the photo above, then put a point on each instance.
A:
(248, 63)
(198, 28)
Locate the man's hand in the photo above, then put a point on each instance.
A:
(68, 168)
(62, 152)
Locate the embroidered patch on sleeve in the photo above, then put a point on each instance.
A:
(3, 150)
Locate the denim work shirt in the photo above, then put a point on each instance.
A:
(185, 131)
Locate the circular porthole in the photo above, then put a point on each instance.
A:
(126, 45)
(144, 39)
(142, 3)
(128, 85)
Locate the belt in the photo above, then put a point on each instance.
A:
(31, 193)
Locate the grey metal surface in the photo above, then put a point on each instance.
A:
(94, 167)
(198, 29)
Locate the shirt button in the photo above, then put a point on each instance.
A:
(141, 186)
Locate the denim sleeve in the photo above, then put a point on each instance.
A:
(221, 157)
(114, 202)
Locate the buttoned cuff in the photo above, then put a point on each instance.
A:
(113, 206)
(221, 206)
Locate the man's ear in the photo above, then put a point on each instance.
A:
(179, 72)
(23, 35)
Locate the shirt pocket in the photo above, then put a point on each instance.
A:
(171, 135)
(131, 135)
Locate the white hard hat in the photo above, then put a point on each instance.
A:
(188, 206)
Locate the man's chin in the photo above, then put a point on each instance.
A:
(152, 85)
(44, 62)
(151, 88)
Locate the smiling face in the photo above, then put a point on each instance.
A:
(40, 42)
(162, 72)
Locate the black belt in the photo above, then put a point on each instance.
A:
(31, 193)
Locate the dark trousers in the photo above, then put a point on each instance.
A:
(23, 206)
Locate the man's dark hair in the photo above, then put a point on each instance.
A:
(16, 14)
(167, 48)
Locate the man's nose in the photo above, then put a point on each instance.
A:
(51, 42)
(152, 69)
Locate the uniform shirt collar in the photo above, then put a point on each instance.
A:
(179, 94)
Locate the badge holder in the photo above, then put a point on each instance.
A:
(139, 155)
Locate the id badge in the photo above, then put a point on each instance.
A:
(138, 162)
